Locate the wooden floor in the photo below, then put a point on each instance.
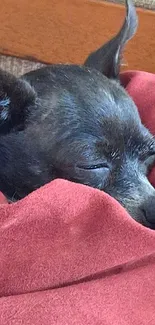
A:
(65, 31)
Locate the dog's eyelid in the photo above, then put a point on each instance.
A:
(94, 166)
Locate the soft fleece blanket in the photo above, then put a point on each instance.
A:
(70, 254)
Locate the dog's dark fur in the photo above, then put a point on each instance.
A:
(78, 123)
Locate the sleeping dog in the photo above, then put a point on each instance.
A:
(78, 123)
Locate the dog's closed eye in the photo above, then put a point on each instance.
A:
(95, 166)
(96, 174)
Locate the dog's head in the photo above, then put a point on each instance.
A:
(87, 126)
(108, 147)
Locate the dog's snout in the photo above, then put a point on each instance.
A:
(148, 210)
(139, 201)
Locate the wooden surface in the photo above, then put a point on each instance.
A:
(65, 31)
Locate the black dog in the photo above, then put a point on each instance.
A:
(78, 123)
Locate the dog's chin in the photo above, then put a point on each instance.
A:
(148, 224)
(139, 216)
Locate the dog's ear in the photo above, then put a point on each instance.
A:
(16, 97)
(107, 59)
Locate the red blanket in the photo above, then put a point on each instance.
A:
(70, 254)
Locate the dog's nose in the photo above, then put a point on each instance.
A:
(149, 211)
